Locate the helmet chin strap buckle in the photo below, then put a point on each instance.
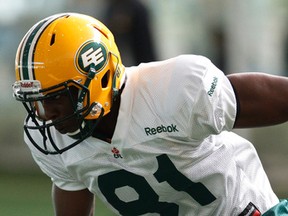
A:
(96, 109)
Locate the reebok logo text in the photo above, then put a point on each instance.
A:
(159, 129)
(213, 86)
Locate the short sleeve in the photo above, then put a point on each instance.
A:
(53, 167)
(214, 108)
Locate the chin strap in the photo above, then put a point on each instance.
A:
(90, 76)
(83, 131)
(83, 125)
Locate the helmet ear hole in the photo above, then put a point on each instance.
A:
(105, 79)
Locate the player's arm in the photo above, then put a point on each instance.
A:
(72, 203)
(262, 99)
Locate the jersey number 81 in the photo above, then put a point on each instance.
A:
(148, 201)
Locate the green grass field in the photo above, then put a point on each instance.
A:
(30, 195)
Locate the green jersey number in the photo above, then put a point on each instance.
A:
(148, 201)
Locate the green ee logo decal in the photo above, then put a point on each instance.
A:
(90, 54)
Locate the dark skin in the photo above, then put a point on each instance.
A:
(72, 203)
(61, 106)
(262, 101)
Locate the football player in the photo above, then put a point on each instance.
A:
(153, 139)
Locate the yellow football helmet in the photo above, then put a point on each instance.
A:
(65, 50)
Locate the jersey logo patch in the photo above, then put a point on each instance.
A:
(116, 153)
(251, 210)
(91, 54)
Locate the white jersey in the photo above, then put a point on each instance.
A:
(171, 152)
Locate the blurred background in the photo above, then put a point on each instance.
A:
(237, 35)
